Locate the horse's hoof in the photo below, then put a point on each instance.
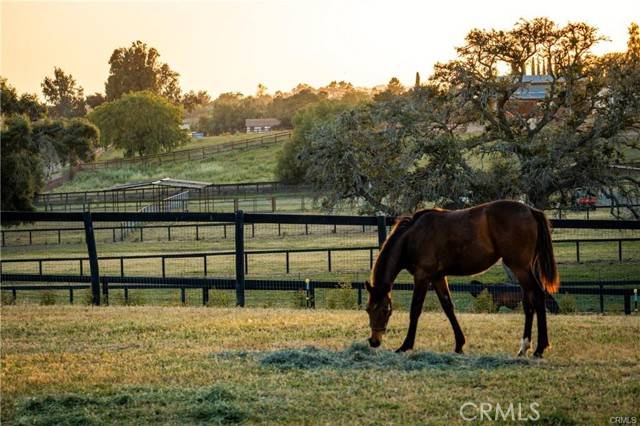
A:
(402, 349)
(459, 351)
(537, 355)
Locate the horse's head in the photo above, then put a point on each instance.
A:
(379, 310)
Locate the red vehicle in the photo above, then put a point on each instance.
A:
(584, 200)
(587, 201)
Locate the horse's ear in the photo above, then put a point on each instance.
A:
(368, 286)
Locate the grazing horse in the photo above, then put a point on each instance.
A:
(510, 299)
(435, 243)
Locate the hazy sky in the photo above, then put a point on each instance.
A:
(234, 45)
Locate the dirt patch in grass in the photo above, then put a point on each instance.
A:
(360, 356)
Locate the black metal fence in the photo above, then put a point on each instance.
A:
(313, 258)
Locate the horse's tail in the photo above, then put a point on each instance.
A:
(545, 259)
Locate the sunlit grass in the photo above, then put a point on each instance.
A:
(256, 164)
(175, 365)
(112, 153)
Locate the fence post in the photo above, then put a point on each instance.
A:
(93, 258)
(311, 293)
(205, 294)
(239, 235)
(601, 299)
(620, 250)
(287, 261)
(627, 303)
(105, 290)
(382, 230)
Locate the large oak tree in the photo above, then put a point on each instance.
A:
(465, 136)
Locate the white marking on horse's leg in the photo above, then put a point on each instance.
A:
(525, 344)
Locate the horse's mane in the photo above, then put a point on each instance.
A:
(400, 226)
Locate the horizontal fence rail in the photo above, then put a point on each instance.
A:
(192, 154)
(246, 260)
(109, 199)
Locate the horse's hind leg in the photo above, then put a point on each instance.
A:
(527, 307)
(541, 315)
(417, 300)
(444, 295)
(533, 301)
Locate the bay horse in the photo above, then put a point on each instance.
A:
(434, 243)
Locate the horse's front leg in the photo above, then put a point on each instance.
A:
(442, 289)
(419, 292)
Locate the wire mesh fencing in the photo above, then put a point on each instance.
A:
(272, 260)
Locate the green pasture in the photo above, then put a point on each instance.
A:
(188, 365)
(255, 164)
(112, 153)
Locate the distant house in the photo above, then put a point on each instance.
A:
(534, 90)
(259, 125)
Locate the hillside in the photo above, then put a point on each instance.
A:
(256, 164)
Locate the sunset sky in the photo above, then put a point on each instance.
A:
(224, 46)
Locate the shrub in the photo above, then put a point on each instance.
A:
(47, 298)
(220, 298)
(299, 299)
(7, 298)
(343, 297)
(484, 302)
(87, 297)
(567, 303)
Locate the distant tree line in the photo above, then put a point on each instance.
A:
(228, 112)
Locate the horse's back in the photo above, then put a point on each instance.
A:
(468, 241)
(513, 229)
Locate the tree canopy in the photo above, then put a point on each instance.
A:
(27, 103)
(138, 68)
(291, 167)
(65, 97)
(140, 123)
(472, 133)
(21, 169)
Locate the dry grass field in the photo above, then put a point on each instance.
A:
(177, 365)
